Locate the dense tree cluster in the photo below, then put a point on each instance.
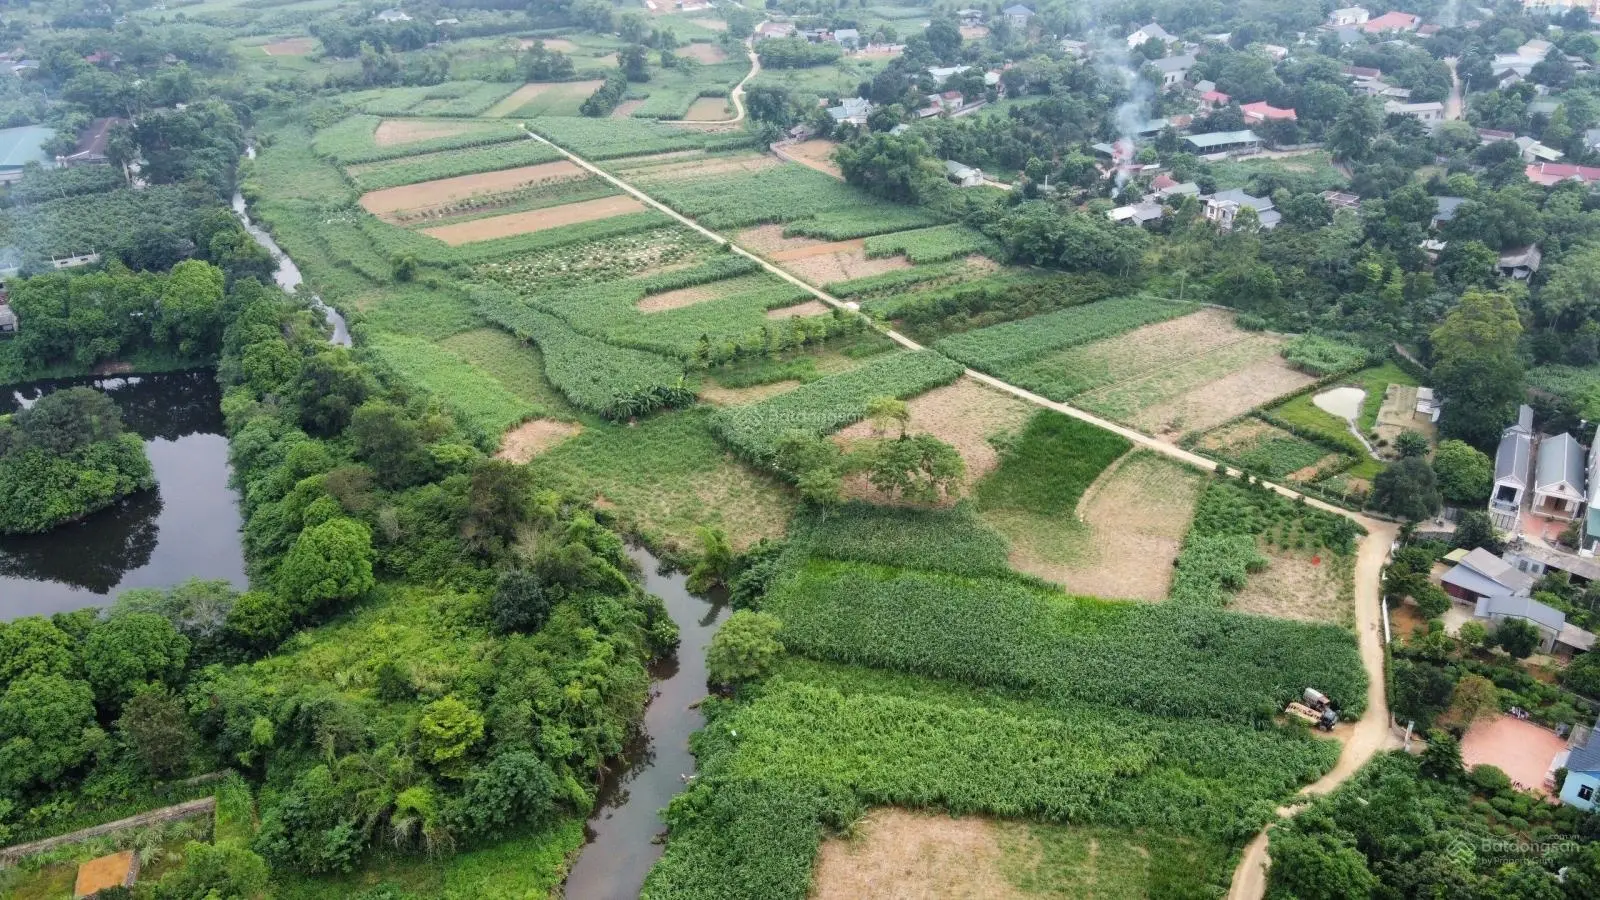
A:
(65, 457)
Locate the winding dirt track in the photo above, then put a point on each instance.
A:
(1361, 741)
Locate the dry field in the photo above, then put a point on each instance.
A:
(705, 53)
(710, 24)
(768, 240)
(1399, 413)
(1146, 349)
(709, 109)
(1299, 585)
(300, 46)
(560, 45)
(410, 131)
(429, 194)
(626, 108)
(1200, 392)
(682, 297)
(821, 263)
(531, 438)
(534, 220)
(702, 167)
(964, 415)
(716, 394)
(816, 154)
(903, 855)
(553, 92)
(974, 32)
(1129, 528)
(798, 310)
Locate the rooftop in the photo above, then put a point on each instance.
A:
(1521, 608)
(1223, 138)
(1391, 21)
(19, 146)
(1560, 466)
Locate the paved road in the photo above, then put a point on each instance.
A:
(1361, 740)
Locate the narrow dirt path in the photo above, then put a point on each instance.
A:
(1452, 103)
(1363, 740)
(737, 94)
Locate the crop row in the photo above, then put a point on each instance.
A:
(599, 139)
(830, 403)
(595, 262)
(1320, 356)
(450, 164)
(95, 222)
(831, 208)
(896, 279)
(1001, 296)
(946, 540)
(541, 194)
(1176, 660)
(452, 98)
(482, 404)
(809, 756)
(931, 245)
(615, 382)
(1012, 343)
(353, 140)
(396, 241)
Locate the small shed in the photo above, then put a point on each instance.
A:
(1521, 264)
(964, 175)
(116, 870)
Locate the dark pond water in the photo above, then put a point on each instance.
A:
(188, 527)
(621, 850)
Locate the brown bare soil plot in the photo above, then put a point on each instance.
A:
(799, 310)
(560, 45)
(535, 220)
(711, 392)
(710, 24)
(964, 415)
(300, 46)
(706, 166)
(1300, 585)
(769, 240)
(705, 53)
(436, 193)
(974, 32)
(816, 154)
(1151, 346)
(903, 855)
(410, 131)
(531, 438)
(528, 93)
(1209, 405)
(1129, 528)
(682, 297)
(626, 108)
(838, 261)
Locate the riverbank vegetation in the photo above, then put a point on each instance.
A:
(64, 458)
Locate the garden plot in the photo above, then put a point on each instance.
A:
(534, 220)
(1271, 451)
(709, 109)
(964, 414)
(529, 439)
(1202, 392)
(557, 45)
(816, 154)
(706, 54)
(626, 108)
(700, 293)
(821, 263)
(300, 46)
(769, 240)
(1128, 528)
(545, 99)
(1137, 353)
(1300, 585)
(694, 164)
(412, 131)
(799, 310)
(433, 194)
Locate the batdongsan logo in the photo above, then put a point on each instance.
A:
(1467, 852)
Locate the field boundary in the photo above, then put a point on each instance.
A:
(188, 810)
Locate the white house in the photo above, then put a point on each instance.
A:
(1583, 772)
(1223, 207)
(970, 17)
(848, 38)
(1558, 481)
(1512, 462)
(1429, 114)
(966, 176)
(1174, 69)
(392, 15)
(1018, 15)
(1149, 32)
(1350, 15)
(851, 111)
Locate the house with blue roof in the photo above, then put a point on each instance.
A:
(1583, 772)
(20, 146)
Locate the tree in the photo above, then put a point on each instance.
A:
(885, 411)
(500, 502)
(1473, 529)
(744, 648)
(1473, 635)
(33, 645)
(635, 62)
(191, 307)
(1442, 758)
(1354, 130)
(329, 563)
(715, 563)
(156, 729)
(520, 602)
(771, 103)
(943, 36)
(1406, 490)
(47, 729)
(329, 389)
(894, 167)
(515, 790)
(1411, 444)
(1432, 601)
(447, 731)
(1421, 690)
(1475, 697)
(1478, 369)
(1318, 867)
(921, 468)
(1465, 474)
(1583, 674)
(131, 651)
(390, 441)
(259, 621)
(1518, 637)
(63, 423)
(220, 871)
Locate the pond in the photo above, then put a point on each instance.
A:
(188, 527)
(622, 832)
(1344, 402)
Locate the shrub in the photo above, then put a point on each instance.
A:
(1322, 356)
(744, 649)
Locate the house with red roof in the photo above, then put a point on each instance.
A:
(1392, 21)
(1262, 111)
(1551, 174)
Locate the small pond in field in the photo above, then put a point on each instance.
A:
(1344, 402)
(188, 527)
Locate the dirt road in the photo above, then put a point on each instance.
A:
(1452, 103)
(737, 94)
(1363, 739)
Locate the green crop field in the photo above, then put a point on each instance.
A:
(1323, 356)
(451, 163)
(354, 139)
(932, 245)
(830, 403)
(999, 347)
(811, 203)
(600, 139)
(486, 405)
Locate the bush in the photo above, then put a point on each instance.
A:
(744, 649)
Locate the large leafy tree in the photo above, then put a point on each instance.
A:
(744, 648)
(33, 646)
(329, 563)
(1478, 368)
(1465, 473)
(131, 651)
(895, 167)
(1406, 489)
(47, 728)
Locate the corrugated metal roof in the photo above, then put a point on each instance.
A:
(20, 146)
(1560, 463)
(1521, 608)
(1585, 758)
